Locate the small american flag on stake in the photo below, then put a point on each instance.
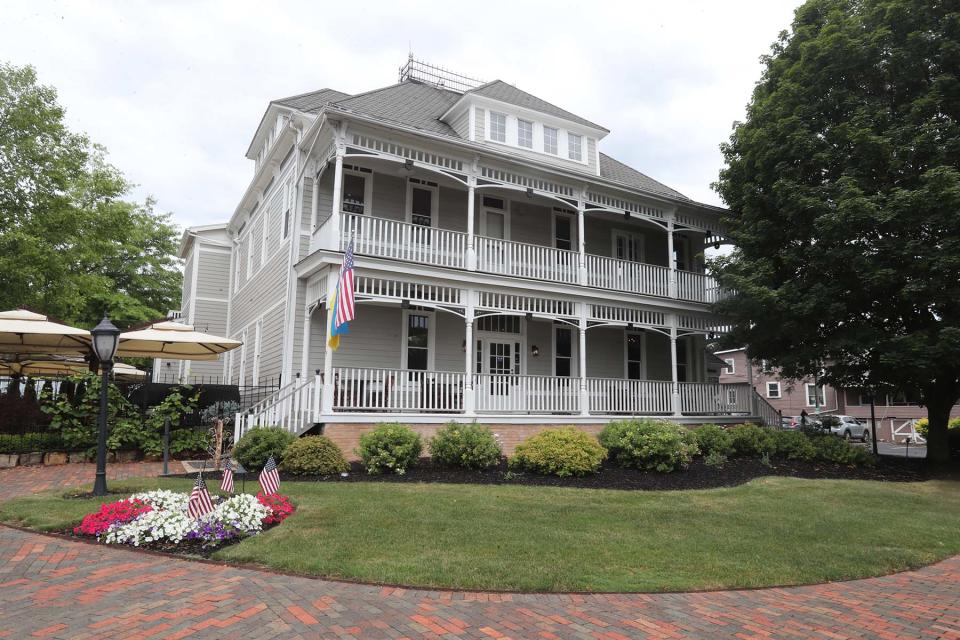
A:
(270, 477)
(226, 484)
(199, 503)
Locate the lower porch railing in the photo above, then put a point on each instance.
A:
(526, 394)
(701, 398)
(366, 389)
(618, 396)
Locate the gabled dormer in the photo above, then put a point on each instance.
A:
(499, 114)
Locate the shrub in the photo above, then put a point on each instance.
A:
(839, 451)
(470, 446)
(391, 447)
(257, 445)
(19, 443)
(715, 459)
(923, 426)
(563, 452)
(657, 445)
(313, 455)
(713, 439)
(793, 445)
(751, 441)
(188, 440)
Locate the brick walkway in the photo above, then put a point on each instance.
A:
(63, 589)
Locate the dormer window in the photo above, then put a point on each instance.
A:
(574, 147)
(525, 134)
(498, 127)
(549, 140)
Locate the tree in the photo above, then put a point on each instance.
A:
(843, 186)
(70, 245)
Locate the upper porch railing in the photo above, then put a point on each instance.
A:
(386, 238)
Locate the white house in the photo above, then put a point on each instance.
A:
(506, 268)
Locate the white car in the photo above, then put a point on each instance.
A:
(847, 427)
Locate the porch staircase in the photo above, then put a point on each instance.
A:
(292, 408)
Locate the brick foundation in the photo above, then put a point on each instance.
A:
(347, 435)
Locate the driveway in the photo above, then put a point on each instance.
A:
(58, 588)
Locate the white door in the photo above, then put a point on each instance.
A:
(628, 246)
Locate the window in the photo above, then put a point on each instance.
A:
(525, 134)
(354, 193)
(681, 360)
(814, 395)
(498, 127)
(574, 147)
(562, 231)
(627, 246)
(773, 389)
(549, 140)
(731, 396)
(418, 341)
(563, 355)
(288, 206)
(730, 369)
(635, 356)
(499, 324)
(422, 202)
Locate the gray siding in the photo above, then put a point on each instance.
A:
(461, 124)
(325, 197)
(452, 206)
(389, 196)
(374, 339)
(605, 352)
(479, 124)
(599, 237)
(658, 357)
(540, 334)
(449, 336)
(213, 279)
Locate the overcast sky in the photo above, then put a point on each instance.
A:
(174, 90)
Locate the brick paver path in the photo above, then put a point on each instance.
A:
(57, 588)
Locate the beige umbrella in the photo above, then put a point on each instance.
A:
(173, 341)
(54, 366)
(23, 331)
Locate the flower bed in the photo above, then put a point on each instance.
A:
(159, 519)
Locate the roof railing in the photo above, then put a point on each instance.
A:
(426, 73)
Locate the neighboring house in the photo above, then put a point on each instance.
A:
(506, 269)
(791, 397)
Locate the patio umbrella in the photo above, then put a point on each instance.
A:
(61, 366)
(173, 341)
(23, 331)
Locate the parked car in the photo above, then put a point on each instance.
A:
(847, 427)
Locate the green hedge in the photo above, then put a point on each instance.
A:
(655, 445)
(470, 446)
(391, 447)
(257, 445)
(563, 452)
(313, 455)
(20, 443)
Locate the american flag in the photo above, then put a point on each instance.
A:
(345, 310)
(199, 503)
(270, 477)
(227, 483)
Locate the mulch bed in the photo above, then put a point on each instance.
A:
(188, 548)
(698, 476)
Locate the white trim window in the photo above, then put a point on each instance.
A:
(815, 395)
(498, 127)
(550, 140)
(422, 198)
(773, 390)
(525, 133)
(563, 230)
(563, 352)
(635, 355)
(731, 367)
(417, 340)
(575, 146)
(357, 191)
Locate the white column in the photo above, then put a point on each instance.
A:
(581, 246)
(469, 394)
(315, 197)
(471, 238)
(676, 401)
(328, 386)
(670, 260)
(337, 197)
(305, 348)
(584, 396)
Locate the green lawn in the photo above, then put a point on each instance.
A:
(771, 531)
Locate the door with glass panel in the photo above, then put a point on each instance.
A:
(423, 201)
(494, 224)
(628, 247)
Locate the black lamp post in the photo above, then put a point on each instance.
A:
(106, 339)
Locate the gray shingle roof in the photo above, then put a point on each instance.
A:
(618, 172)
(312, 101)
(409, 103)
(500, 90)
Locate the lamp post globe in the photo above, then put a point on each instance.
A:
(106, 339)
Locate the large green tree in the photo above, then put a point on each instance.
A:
(70, 244)
(844, 191)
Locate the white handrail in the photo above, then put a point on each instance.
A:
(370, 389)
(526, 260)
(697, 287)
(624, 275)
(631, 397)
(387, 238)
(293, 408)
(510, 393)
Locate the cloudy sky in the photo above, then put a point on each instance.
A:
(174, 90)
